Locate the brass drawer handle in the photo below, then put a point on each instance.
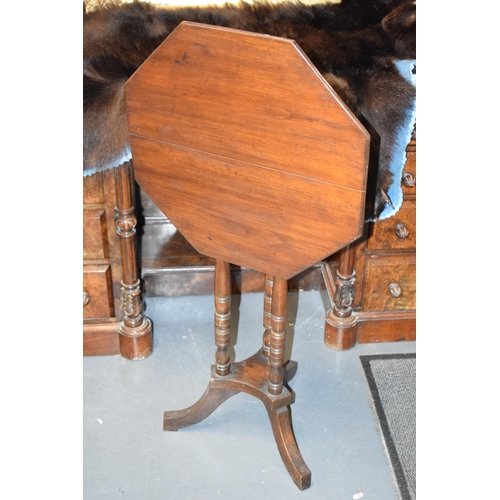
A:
(401, 231)
(395, 290)
(86, 298)
(408, 180)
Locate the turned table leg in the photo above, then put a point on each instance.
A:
(278, 333)
(281, 419)
(135, 333)
(340, 322)
(268, 298)
(222, 317)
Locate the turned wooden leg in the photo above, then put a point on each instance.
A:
(290, 368)
(281, 417)
(278, 333)
(268, 299)
(340, 322)
(135, 333)
(222, 317)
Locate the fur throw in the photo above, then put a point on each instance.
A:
(356, 45)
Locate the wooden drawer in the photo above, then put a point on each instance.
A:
(409, 178)
(93, 191)
(95, 235)
(98, 286)
(397, 232)
(386, 273)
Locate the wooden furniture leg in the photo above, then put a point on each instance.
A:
(278, 331)
(268, 298)
(290, 367)
(222, 316)
(135, 333)
(262, 376)
(340, 322)
(281, 417)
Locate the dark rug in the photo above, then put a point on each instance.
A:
(392, 381)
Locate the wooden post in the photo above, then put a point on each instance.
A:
(222, 316)
(278, 334)
(135, 333)
(340, 322)
(268, 298)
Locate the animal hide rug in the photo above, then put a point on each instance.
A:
(365, 49)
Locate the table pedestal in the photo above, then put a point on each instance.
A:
(264, 375)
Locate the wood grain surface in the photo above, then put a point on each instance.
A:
(248, 151)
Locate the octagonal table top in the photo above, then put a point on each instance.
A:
(246, 148)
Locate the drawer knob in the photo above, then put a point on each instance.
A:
(395, 290)
(86, 298)
(401, 231)
(408, 180)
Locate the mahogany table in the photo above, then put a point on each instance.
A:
(257, 162)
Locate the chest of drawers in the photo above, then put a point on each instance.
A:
(377, 302)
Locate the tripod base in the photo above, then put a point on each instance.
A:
(251, 376)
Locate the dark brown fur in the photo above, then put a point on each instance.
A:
(353, 44)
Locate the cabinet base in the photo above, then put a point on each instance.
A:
(365, 328)
(113, 339)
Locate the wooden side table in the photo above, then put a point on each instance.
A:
(248, 151)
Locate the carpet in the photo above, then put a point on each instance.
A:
(392, 382)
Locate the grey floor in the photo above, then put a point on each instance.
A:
(231, 454)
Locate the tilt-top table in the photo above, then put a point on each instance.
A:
(257, 162)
